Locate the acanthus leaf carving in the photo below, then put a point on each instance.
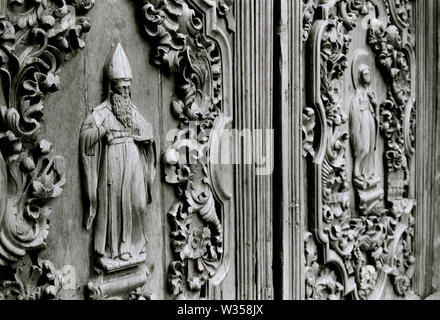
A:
(33, 281)
(308, 128)
(321, 281)
(197, 230)
(36, 38)
(308, 13)
(377, 245)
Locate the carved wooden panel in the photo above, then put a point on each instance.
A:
(359, 129)
(117, 182)
(36, 39)
(192, 45)
(145, 213)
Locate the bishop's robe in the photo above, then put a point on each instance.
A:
(119, 170)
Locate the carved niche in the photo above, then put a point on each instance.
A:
(118, 156)
(359, 246)
(189, 42)
(36, 38)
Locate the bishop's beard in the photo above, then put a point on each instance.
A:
(122, 109)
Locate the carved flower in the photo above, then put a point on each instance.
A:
(327, 287)
(308, 126)
(342, 238)
(402, 285)
(310, 279)
(199, 242)
(45, 147)
(51, 82)
(27, 165)
(43, 187)
(84, 4)
(403, 8)
(310, 249)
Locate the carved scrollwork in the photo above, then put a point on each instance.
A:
(350, 10)
(377, 245)
(36, 38)
(33, 282)
(308, 127)
(224, 7)
(401, 12)
(309, 7)
(330, 57)
(321, 281)
(197, 227)
(395, 57)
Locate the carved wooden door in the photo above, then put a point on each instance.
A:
(218, 149)
(362, 94)
(132, 94)
(362, 232)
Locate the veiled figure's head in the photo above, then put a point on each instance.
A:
(364, 75)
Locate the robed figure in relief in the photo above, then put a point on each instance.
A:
(364, 129)
(364, 135)
(119, 162)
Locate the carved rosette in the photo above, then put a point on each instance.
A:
(33, 281)
(36, 38)
(197, 230)
(364, 251)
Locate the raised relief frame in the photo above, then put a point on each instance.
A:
(346, 254)
(36, 38)
(190, 42)
(118, 157)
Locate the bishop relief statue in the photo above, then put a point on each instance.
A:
(119, 161)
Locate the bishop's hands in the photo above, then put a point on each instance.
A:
(112, 134)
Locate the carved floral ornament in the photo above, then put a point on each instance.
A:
(199, 220)
(36, 37)
(359, 253)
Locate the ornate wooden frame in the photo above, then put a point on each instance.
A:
(385, 238)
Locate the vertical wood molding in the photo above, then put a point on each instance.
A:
(427, 126)
(288, 202)
(436, 156)
(253, 107)
(436, 281)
